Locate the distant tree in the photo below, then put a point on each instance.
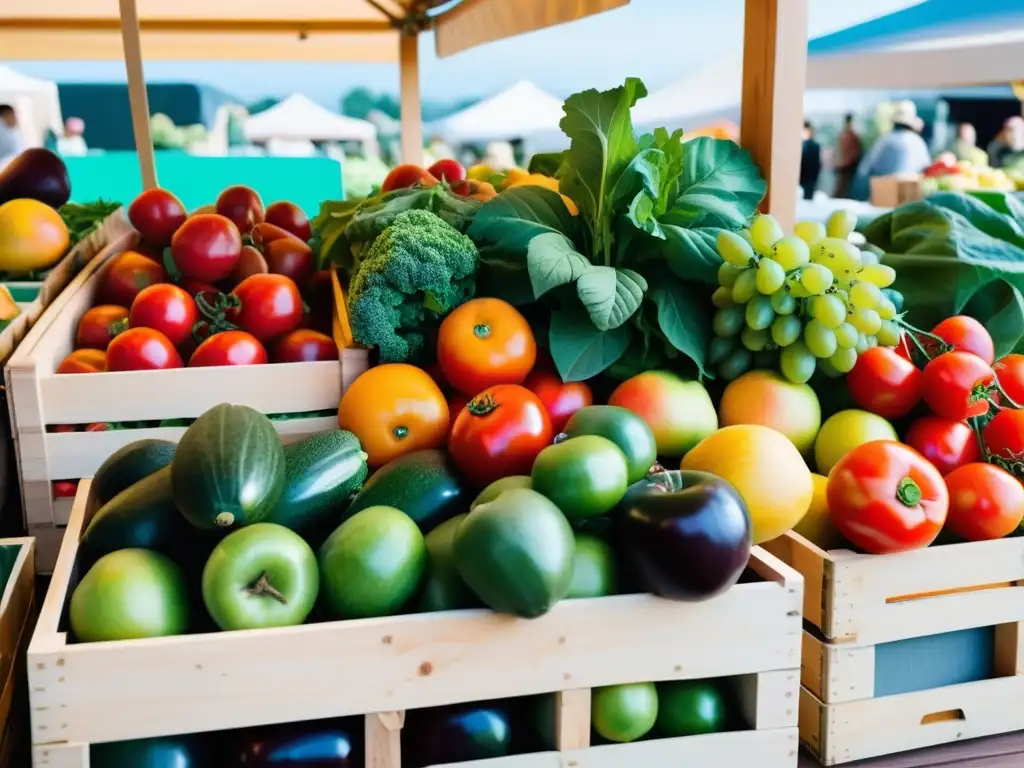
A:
(358, 103)
(389, 105)
(262, 105)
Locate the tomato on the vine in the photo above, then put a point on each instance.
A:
(946, 443)
(142, 349)
(499, 433)
(1010, 373)
(242, 205)
(957, 385)
(99, 325)
(561, 400)
(206, 247)
(483, 343)
(157, 214)
(125, 275)
(84, 361)
(1004, 437)
(885, 497)
(165, 308)
(270, 306)
(304, 346)
(967, 335)
(290, 217)
(985, 502)
(885, 383)
(228, 348)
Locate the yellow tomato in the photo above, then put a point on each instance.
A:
(766, 398)
(843, 432)
(33, 236)
(394, 409)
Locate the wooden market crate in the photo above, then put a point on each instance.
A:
(17, 620)
(89, 693)
(909, 650)
(40, 398)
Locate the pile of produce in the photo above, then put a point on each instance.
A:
(947, 174)
(234, 284)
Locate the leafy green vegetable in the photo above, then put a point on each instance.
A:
(84, 219)
(615, 277)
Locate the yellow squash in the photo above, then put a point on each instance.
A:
(33, 236)
(540, 180)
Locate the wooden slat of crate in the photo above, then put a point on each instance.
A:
(103, 691)
(869, 599)
(17, 620)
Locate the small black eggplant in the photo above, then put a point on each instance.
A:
(687, 534)
(309, 745)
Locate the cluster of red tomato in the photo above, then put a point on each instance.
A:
(221, 286)
(970, 431)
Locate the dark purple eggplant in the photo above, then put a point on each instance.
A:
(456, 734)
(37, 174)
(687, 534)
(309, 745)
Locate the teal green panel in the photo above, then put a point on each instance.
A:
(921, 663)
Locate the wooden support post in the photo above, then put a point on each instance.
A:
(383, 743)
(137, 97)
(572, 719)
(412, 114)
(774, 78)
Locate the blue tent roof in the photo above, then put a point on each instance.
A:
(928, 20)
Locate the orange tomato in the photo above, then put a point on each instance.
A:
(394, 409)
(483, 343)
(84, 361)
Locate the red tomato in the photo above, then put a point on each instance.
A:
(84, 361)
(560, 400)
(228, 348)
(61, 428)
(194, 287)
(142, 349)
(157, 214)
(1004, 436)
(270, 306)
(485, 342)
(304, 346)
(1010, 372)
(165, 308)
(955, 385)
(290, 217)
(242, 205)
(206, 247)
(967, 335)
(885, 383)
(499, 434)
(99, 426)
(265, 233)
(126, 275)
(985, 502)
(447, 170)
(290, 258)
(945, 443)
(885, 497)
(65, 489)
(99, 325)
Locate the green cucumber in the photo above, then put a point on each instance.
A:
(229, 468)
(322, 472)
(129, 464)
(142, 515)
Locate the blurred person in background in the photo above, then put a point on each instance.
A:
(11, 141)
(810, 162)
(966, 145)
(902, 150)
(1007, 143)
(73, 140)
(848, 153)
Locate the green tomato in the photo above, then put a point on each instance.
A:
(584, 476)
(128, 595)
(260, 576)
(628, 431)
(594, 569)
(690, 708)
(498, 487)
(624, 713)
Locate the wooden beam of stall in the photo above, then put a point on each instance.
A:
(409, 98)
(138, 99)
(772, 111)
(28, 45)
(286, 14)
(475, 22)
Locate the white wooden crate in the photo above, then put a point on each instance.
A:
(17, 620)
(89, 693)
(39, 397)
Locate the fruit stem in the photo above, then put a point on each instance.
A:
(482, 331)
(263, 587)
(976, 427)
(482, 405)
(908, 492)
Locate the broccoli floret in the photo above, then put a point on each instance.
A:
(415, 272)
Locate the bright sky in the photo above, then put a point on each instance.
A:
(656, 40)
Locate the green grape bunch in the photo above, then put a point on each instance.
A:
(809, 300)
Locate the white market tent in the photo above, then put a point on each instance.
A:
(35, 103)
(519, 112)
(299, 117)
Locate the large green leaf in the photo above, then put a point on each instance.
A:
(683, 319)
(610, 295)
(580, 350)
(513, 218)
(546, 163)
(602, 145)
(981, 216)
(719, 183)
(692, 254)
(553, 260)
